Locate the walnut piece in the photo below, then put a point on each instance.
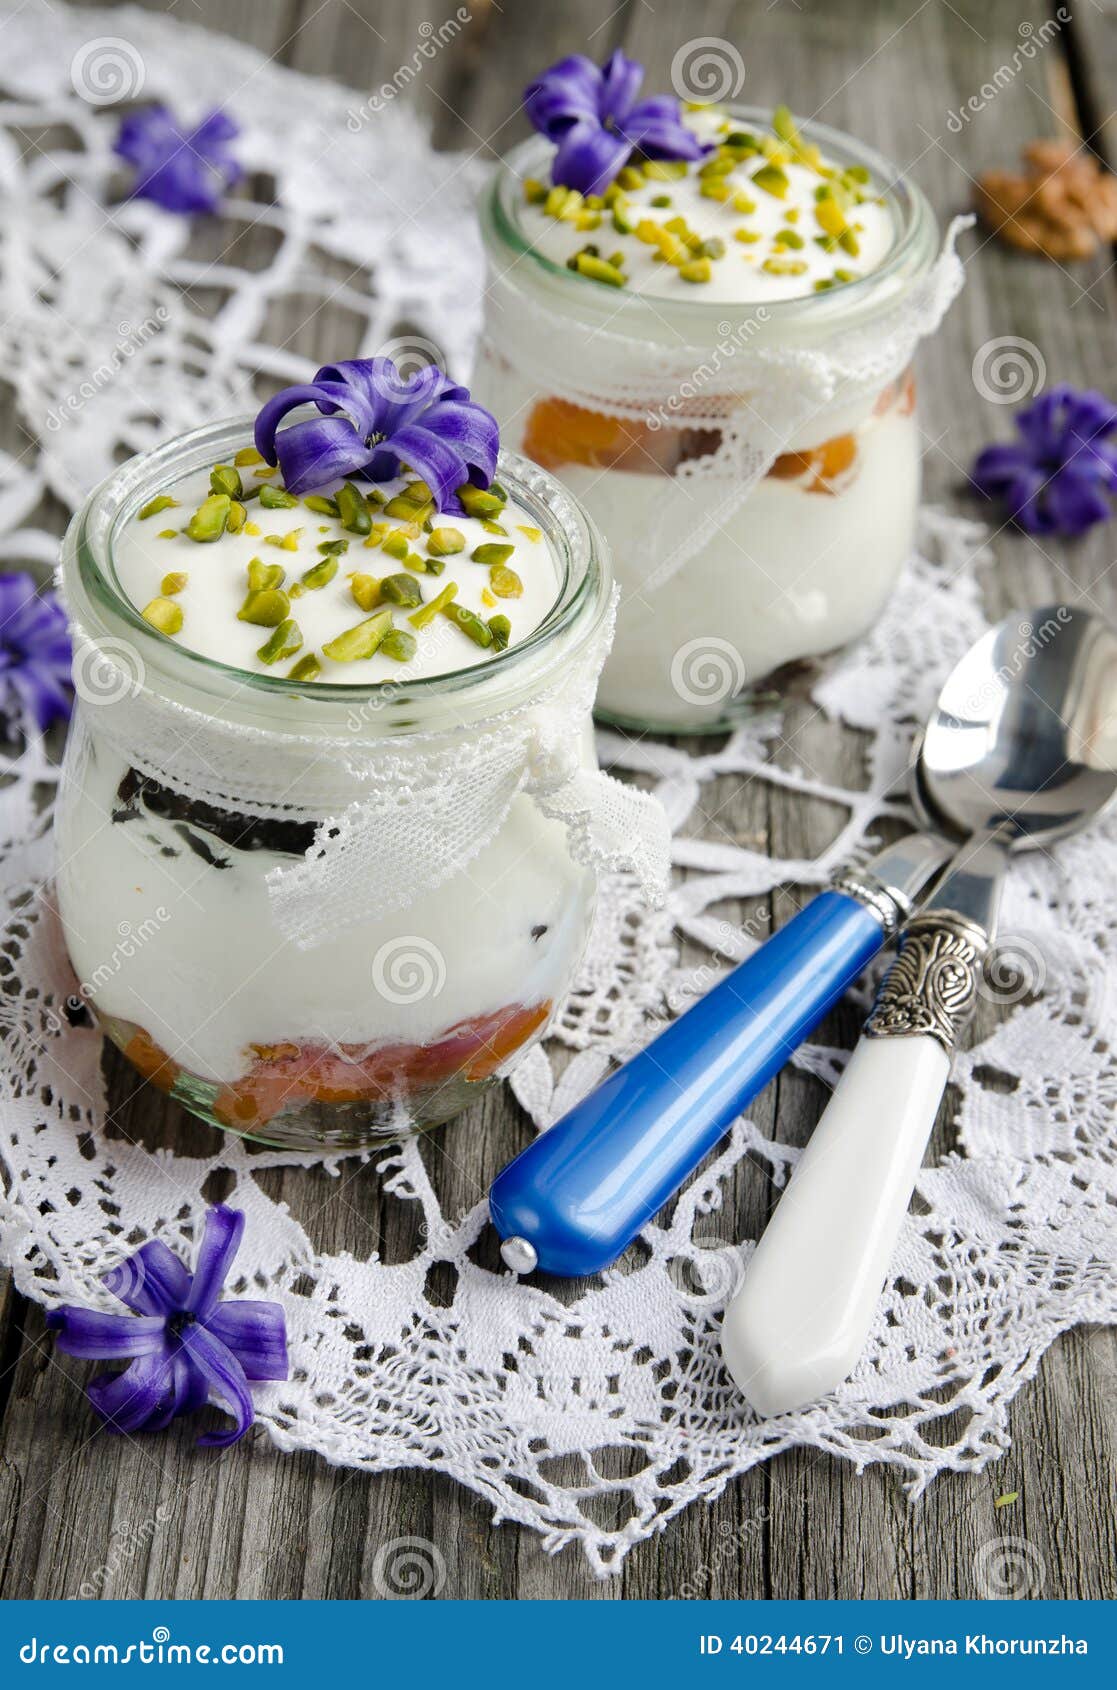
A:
(1062, 204)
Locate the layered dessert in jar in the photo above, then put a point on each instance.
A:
(702, 320)
(278, 631)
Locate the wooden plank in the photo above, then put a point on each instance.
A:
(151, 1517)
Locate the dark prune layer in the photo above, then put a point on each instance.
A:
(139, 795)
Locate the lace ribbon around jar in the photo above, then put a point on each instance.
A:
(754, 399)
(425, 805)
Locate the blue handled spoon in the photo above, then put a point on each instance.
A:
(574, 1200)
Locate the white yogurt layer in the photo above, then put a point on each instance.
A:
(216, 585)
(207, 976)
(775, 246)
(792, 573)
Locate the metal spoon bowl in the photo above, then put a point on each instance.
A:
(1023, 739)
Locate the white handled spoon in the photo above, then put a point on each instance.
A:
(1020, 752)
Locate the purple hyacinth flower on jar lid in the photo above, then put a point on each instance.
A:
(181, 1345)
(373, 421)
(1061, 474)
(592, 115)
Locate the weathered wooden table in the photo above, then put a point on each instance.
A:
(255, 1523)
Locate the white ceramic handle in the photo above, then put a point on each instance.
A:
(798, 1325)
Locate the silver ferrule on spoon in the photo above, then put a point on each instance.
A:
(889, 884)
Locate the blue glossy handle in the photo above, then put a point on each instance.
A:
(581, 1192)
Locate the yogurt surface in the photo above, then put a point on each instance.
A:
(334, 580)
(765, 217)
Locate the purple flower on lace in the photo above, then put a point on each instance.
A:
(34, 654)
(595, 120)
(185, 170)
(374, 420)
(1058, 478)
(185, 1345)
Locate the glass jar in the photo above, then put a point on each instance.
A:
(407, 1014)
(799, 567)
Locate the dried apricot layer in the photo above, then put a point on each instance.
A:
(282, 1076)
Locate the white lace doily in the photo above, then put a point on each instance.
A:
(1013, 1240)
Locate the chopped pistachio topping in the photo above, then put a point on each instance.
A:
(163, 614)
(167, 534)
(365, 590)
(489, 553)
(262, 575)
(501, 630)
(533, 534)
(173, 583)
(469, 622)
(402, 590)
(320, 574)
(353, 509)
(224, 479)
(321, 506)
(423, 617)
(246, 456)
(253, 528)
(444, 542)
(399, 644)
(277, 499)
(772, 180)
(333, 548)
(476, 502)
(161, 502)
(361, 641)
(266, 608)
(238, 516)
(209, 520)
(505, 583)
(307, 668)
(284, 642)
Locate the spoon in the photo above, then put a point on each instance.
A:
(574, 1200)
(1020, 752)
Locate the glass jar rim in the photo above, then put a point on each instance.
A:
(800, 316)
(105, 613)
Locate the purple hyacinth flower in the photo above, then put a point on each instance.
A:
(595, 120)
(185, 1345)
(1059, 477)
(34, 654)
(181, 170)
(374, 420)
